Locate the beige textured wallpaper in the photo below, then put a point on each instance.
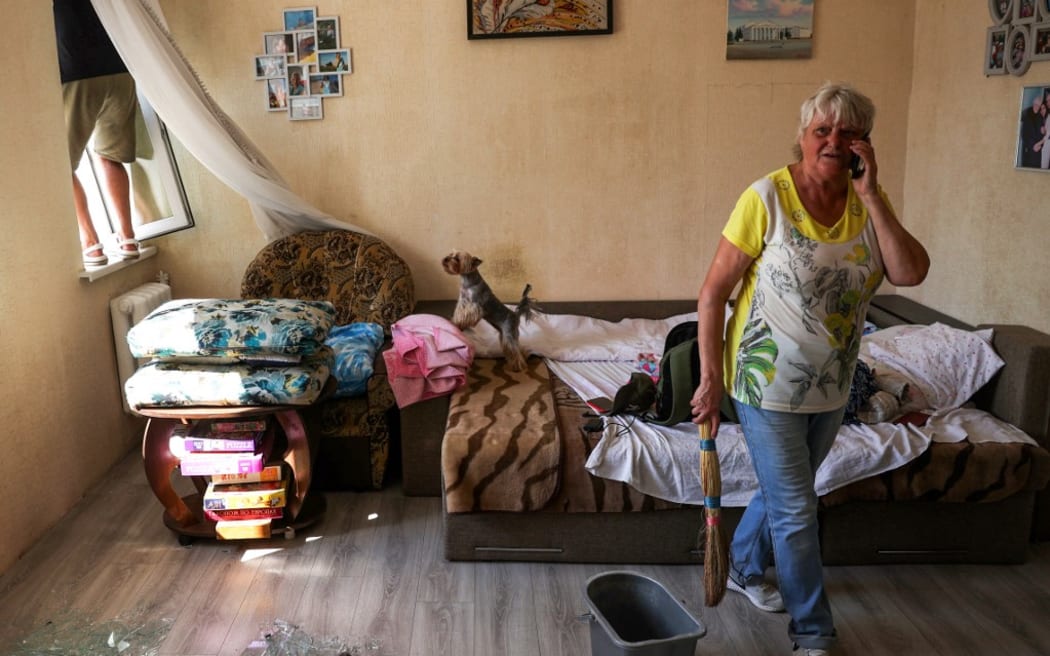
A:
(63, 424)
(983, 221)
(591, 167)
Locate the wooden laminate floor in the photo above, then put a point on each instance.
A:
(371, 576)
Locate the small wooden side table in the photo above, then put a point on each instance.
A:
(185, 515)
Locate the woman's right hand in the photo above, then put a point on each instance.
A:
(706, 401)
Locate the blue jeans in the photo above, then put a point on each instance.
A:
(780, 522)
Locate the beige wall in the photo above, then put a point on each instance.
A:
(984, 222)
(63, 426)
(592, 167)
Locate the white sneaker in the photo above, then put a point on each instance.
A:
(811, 652)
(762, 595)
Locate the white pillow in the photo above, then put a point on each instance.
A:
(577, 338)
(946, 364)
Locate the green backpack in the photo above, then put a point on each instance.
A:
(668, 401)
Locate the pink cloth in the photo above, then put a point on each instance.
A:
(430, 357)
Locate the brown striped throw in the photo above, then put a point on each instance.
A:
(501, 449)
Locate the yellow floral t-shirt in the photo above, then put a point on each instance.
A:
(793, 338)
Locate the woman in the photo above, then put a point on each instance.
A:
(811, 246)
(1044, 154)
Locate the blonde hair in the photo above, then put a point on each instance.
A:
(837, 102)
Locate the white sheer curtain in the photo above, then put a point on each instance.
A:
(169, 83)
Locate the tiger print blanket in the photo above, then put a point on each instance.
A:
(955, 472)
(515, 442)
(501, 450)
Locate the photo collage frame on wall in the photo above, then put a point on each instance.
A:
(1019, 35)
(302, 64)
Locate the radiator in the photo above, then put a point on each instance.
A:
(127, 310)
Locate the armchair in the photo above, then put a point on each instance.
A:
(366, 281)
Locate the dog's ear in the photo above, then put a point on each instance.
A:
(475, 261)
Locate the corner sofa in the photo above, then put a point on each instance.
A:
(618, 525)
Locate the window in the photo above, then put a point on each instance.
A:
(158, 200)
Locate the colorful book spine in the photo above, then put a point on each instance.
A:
(244, 513)
(250, 425)
(249, 442)
(210, 464)
(245, 495)
(268, 473)
(243, 529)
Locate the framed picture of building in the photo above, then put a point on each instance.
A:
(762, 29)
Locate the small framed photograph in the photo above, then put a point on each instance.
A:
(300, 18)
(298, 75)
(1024, 12)
(267, 66)
(1001, 10)
(1040, 42)
(995, 50)
(278, 43)
(499, 20)
(277, 94)
(309, 108)
(326, 84)
(1033, 141)
(327, 32)
(1018, 50)
(335, 61)
(306, 47)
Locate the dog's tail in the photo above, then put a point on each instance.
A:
(526, 305)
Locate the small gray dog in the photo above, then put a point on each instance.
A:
(477, 302)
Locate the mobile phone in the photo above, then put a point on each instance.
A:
(856, 164)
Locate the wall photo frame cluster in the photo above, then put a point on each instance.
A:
(303, 63)
(1018, 36)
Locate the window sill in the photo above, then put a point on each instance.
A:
(145, 252)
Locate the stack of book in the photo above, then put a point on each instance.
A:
(245, 494)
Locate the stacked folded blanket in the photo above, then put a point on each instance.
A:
(231, 352)
(430, 357)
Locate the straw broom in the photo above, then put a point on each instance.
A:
(716, 559)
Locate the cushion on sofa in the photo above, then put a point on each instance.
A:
(947, 365)
(355, 346)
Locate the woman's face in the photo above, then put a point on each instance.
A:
(825, 145)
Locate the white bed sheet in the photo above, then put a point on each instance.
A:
(664, 461)
(571, 337)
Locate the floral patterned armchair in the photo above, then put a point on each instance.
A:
(366, 281)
